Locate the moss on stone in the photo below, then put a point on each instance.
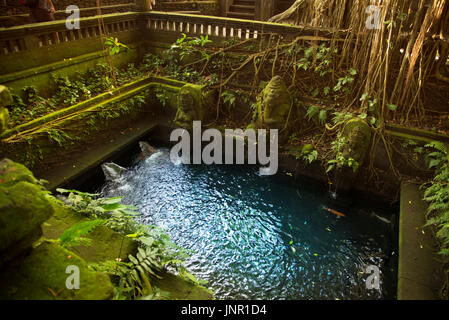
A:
(106, 244)
(274, 104)
(24, 206)
(358, 134)
(5, 97)
(12, 172)
(41, 275)
(4, 119)
(5, 100)
(307, 148)
(180, 289)
(190, 107)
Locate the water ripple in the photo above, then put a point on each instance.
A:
(251, 236)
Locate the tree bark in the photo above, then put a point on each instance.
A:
(292, 15)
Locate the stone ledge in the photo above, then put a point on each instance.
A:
(419, 271)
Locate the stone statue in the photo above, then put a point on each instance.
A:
(5, 100)
(358, 134)
(274, 105)
(189, 106)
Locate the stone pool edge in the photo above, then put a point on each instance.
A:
(419, 271)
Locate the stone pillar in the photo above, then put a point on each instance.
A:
(264, 10)
(224, 5)
(143, 5)
(5, 100)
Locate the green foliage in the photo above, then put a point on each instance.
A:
(341, 117)
(319, 59)
(161, 95)
(58, 136)
(312, 111)
(32, 105)
(67, 92)
(340, 160)
(156, 252)
(437, 194)
(316, 112)
(187, 45)
(74, 235)
(341, 83)
(322, 116)
(310, 156)
(114, 45)
(152, 63)
(229, 98)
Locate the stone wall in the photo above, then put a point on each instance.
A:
(13, 7)
(205, 7)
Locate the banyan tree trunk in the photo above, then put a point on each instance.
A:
(320, 13)
(293, 14)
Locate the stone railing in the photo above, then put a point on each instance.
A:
(14, 7)
(223, 27)
(40, 42)
(22, 38)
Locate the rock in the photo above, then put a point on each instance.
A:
(181, 289)
(23, 208)
(358, 134)
(189, 106)
(106, 244)
(41, 275)
(12, 172)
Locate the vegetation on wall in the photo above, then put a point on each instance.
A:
(437, 195)
(156, 254)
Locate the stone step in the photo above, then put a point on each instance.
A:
(241, 8)
(245, 2)
(240, 15)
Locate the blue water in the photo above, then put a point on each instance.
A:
(259, 237)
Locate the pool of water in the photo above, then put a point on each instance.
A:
(261, 237)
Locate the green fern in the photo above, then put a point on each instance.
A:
(312, 111)
(74, 235)
(437, 194)
(322, 116)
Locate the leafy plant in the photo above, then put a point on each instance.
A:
(114, 45)
(343, 81)
(340, 160)
(437, 194)
(310, 156)
(156, 253)
(312, 111)
(74, 235)
(322, 116)
(187, 45)
(229, 98)
(161, 95)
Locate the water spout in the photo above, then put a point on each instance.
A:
(112, 171)
(146, 149)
